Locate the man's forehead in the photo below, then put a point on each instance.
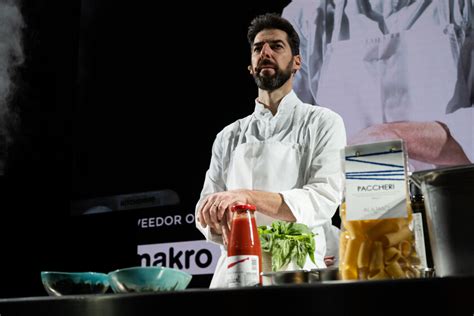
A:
(270, 35)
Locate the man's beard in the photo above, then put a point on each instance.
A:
(275, 81)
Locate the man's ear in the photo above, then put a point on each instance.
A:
(296, 64)
(250, 69)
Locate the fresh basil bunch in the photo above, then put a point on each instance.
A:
(286, 242)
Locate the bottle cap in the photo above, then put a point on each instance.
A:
(243, 207)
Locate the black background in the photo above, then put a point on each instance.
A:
(125, 97)
(155, 88)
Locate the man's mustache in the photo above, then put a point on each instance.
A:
(265, 63)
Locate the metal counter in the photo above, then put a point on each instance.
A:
(401, 297)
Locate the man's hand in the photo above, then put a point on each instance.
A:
(329, 260)
(429, 142)
(374, 133)
(215, 211)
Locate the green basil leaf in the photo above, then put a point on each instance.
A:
(287, 242)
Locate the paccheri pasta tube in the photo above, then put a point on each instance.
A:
(376, 241)
(377, 256)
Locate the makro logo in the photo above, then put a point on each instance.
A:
(194, 257)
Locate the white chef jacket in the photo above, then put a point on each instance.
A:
(379, 61)
(297, 153)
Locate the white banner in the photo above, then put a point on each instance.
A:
(194, 257)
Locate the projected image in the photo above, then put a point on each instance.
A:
(392, 69)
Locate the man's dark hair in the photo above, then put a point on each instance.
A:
(274, 21)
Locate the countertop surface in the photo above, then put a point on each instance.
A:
(453, 295)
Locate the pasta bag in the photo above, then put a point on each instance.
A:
(376, 241)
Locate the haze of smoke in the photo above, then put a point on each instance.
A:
(11, 56)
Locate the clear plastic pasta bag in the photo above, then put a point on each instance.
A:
(376, 241)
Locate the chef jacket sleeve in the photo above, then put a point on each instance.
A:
(213, 183)
(316, 202)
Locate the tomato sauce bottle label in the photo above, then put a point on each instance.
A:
(243, 270)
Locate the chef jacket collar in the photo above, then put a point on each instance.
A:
(287, 104)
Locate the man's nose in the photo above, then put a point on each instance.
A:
(266, 50)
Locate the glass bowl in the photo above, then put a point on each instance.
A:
(148, 279)
(72, 283)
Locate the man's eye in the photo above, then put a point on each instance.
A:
(257, 49)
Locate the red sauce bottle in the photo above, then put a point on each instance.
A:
(244, 254)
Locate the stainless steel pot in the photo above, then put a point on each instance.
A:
(448, 194)
(302, 276)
